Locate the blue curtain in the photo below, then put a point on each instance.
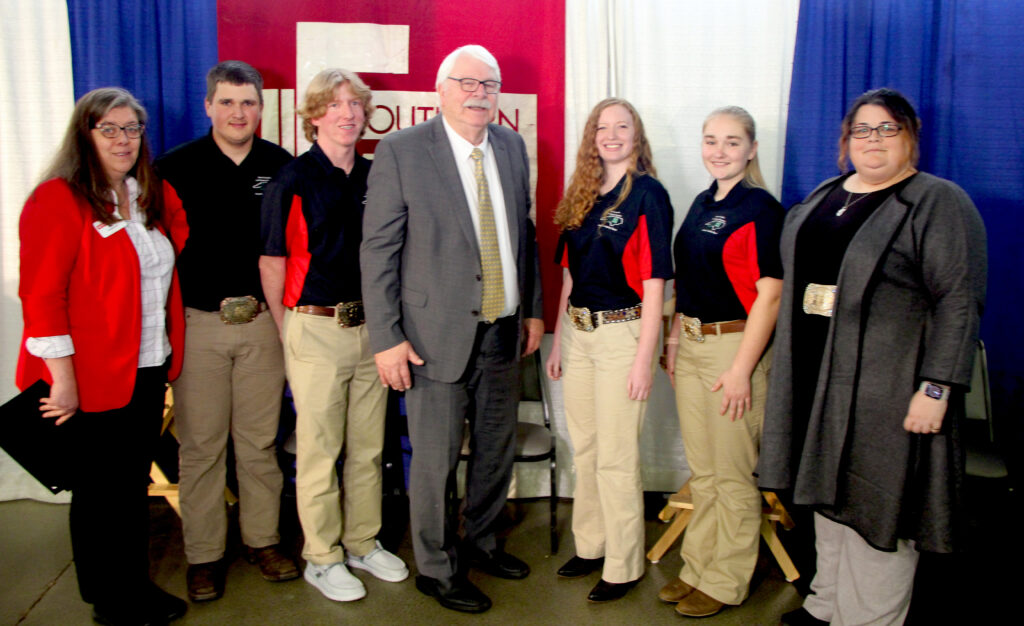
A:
(159, 50)
(962, 64)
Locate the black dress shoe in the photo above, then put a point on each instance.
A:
(802, 617)
(205, 581)
(498, 563)
(163, 606)
(578, 567)
(605, 591)
(458, 594)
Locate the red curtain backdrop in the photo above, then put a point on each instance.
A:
(526, 36)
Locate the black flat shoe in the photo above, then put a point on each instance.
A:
(163, 606)
(457, 594)
(605, 591)
(152, 607)
(802, 617)
(578, 567)
(498, 563)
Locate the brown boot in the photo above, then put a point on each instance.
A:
(274, 565)
(674, 591)
(205, 581)
(698, 604)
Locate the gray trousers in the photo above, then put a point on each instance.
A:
(487, 396)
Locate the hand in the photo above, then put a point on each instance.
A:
(640, 380)
(63, 401)
(393, 366)
(671, 353)
(553, 366)
(925, 414)
(735, 394)
(534, 333)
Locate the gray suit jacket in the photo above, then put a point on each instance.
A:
(420, 257)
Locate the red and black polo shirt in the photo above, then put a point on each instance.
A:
(313, 215)
(723, 248)
(610, 256)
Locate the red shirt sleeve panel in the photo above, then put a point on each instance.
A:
(50, 229)
(174, 220)
(739, 257)
(636, 258)
(297, 264)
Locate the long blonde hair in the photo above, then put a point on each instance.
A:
(585, 184)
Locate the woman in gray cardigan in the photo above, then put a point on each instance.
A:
(883, 292)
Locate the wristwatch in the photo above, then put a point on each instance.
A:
(936, 392)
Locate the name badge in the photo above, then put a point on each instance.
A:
(106, 230)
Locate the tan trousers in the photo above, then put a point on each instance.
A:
(231, 383)
(721, 541)
(604, 426)
(856, 584)
(340, 405)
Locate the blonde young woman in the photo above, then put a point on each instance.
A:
(615, 246)
(728, 282)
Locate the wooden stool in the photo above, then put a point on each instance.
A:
(161, 487)
(680, 508)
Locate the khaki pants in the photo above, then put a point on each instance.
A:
(604, 426)
(340, 405)
(231, 382)
(721, 541)
(856, 584)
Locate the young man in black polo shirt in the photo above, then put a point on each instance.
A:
(312, 228)
(233, 374)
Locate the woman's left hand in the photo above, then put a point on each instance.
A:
(638, 385)
(735, 394)
(925, 414)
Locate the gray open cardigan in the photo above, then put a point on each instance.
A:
(910, 294)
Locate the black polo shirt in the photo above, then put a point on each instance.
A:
(723, 248)
(313, 214)
(609, 256)
(219, 241)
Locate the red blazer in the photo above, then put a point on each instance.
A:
(75, 282)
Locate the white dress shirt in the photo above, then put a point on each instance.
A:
(467, 172)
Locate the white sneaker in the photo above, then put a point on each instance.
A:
(380, 563)
(335, 581)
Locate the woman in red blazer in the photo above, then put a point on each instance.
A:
(104, 326)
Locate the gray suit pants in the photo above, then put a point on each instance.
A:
(487, 396)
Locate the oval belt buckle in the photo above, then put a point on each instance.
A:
(819, 299)
(239, 310)
(692, 328)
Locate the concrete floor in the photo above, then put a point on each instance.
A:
(38, 584)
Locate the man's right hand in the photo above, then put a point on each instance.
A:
(393, 366)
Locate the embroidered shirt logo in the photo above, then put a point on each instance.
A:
(261, 182)
(714, 225)
(612, 220)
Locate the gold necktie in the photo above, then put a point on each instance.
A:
(493, 301)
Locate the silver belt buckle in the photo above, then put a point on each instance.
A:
(239, 310)
(692, 328)
(581, 318)
(819, 299)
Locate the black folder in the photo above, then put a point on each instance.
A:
(35, 442)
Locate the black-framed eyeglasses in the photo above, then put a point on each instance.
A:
(470, 84)
(111, 130)
(884, 130)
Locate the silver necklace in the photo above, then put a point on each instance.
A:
(848, 203)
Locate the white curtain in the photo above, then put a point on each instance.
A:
(36, 99)
(676, 61)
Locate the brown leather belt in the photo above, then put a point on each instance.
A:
(694, 329)
(347, 314)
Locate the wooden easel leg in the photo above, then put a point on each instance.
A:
(670, 535)
(778, 551)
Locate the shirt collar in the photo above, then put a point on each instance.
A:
(460, 146)
(133, 197)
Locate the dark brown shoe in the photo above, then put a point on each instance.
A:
(205, 581)
(274, 565)
(698, 604)
(674, 591)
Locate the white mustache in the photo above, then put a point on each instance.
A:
(482, 103)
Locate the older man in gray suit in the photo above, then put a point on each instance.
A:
(449, 271)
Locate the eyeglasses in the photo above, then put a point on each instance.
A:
(112, 131)
(470, 84)
(884, 130)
